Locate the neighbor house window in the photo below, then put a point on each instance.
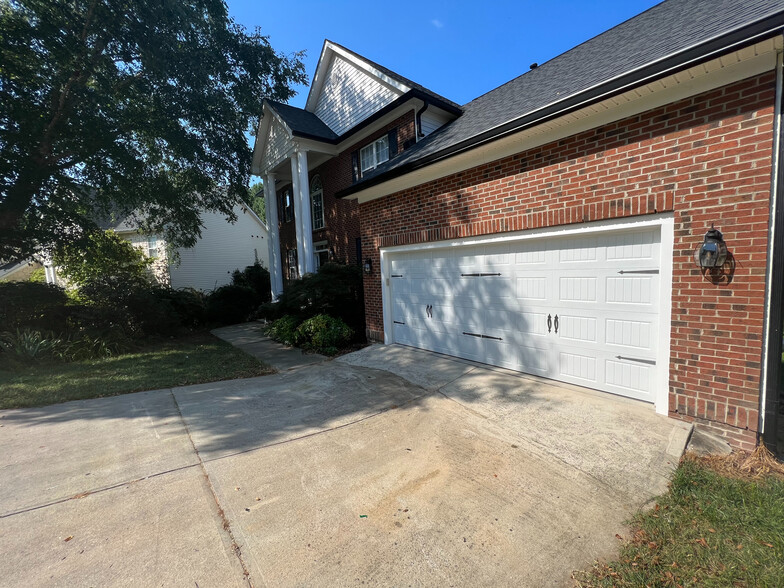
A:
(291, 257)
(373, 155)
(152, 247)
(287, 205)
(317, 203)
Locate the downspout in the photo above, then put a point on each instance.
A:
(774, 288)
(418, 121)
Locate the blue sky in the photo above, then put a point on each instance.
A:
(457, 49)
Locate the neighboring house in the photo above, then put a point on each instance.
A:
(551, 227)
(222, 248)
(358, 115)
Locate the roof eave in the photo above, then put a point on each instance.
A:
(748, 35)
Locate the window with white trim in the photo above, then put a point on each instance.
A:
(152, 247)
(317, 203)
(320, 253)
(373, 155)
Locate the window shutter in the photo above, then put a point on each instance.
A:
(392, 143)
(355, 166)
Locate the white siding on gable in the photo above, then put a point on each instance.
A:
(349, 96)
(222, 248)
(432, 120)
(278, 145)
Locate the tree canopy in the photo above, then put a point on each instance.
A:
(127, 106)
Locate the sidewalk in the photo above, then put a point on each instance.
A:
(250, 338)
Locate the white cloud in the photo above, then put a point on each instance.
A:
(437, 23)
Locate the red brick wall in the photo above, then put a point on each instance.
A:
(706, 158)
(341, 216)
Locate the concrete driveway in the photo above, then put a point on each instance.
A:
(388, 466)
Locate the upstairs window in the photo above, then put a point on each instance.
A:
(373, 155)
(317, 203)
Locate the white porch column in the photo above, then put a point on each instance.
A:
(295, 188)
(307, 212)
(276, 268)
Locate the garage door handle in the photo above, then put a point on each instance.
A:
(549, 323)
(556, 323)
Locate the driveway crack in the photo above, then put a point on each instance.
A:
(225, 524)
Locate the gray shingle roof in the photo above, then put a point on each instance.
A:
(303, 123)
(669, 28)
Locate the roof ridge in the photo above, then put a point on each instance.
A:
(544, 64)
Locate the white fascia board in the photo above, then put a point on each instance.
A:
(301, 144)
(325, 60)
(260, 142)
(359, 63)
(701, 78)
(318, 77)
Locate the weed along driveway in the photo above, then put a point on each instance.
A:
(388, 466)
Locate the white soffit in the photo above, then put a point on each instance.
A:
(729, 68)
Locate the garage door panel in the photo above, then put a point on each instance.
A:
(630, 333)
(531, 288)
(580, 288)
(629, 379)
(639, 245)
(578, 329)
(638, 290)
(573, 365)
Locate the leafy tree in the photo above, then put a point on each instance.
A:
(105, 255)
(255, 199)
(123, 106)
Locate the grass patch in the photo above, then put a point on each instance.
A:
(708, 530)
(187, 360)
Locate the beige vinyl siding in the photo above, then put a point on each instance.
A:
(222, 248)
(349, 96)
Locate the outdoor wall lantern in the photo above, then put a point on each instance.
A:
(713, 251)
(368, 266)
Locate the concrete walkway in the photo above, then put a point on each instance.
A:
(251, 339)
(388, 466)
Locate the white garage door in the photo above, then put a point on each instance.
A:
(581, 309)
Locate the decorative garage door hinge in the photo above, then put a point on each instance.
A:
(478, 275)
(482, 336)
(637, 359)
(648, 271)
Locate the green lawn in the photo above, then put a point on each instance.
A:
(193, 359)
(708, 530)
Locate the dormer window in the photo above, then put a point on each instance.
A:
(373, 155)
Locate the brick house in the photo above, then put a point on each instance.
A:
(358, 115)
(553, 225)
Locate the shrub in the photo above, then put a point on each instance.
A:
(27, 343)
(99, 255)
(284, 330)
(190, 306)
(256, 278)
(32, 305)
(37, 275)
(231, 304)
(323, 333)
(336, 290)
(131, 305)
